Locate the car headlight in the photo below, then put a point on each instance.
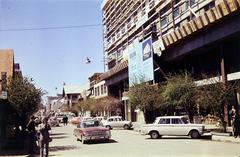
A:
(87, 134)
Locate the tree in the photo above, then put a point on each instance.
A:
(24, 97)
(214, 94)
(145, 97)
(179, 92)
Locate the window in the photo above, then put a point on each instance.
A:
(98, 90)
(110, 120)
(165, 9)
(164, 121)
(164, 21)
(192, 2)
(151, 4)
(95, 91)
(176, 121)
(3, 76)
(105, 89)
(176, 12)
(101, 89)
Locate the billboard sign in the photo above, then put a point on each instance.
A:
(140, 58)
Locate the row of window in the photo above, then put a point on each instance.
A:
(140, 12)
(100, 90)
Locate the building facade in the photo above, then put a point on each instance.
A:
(6, 67)
(201, 36)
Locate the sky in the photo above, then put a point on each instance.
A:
(53, 56)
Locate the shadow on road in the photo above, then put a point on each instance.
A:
(182, 138)
(59, 137)
(101, 142)
(58, 134)
(12, 152)
(61, 148)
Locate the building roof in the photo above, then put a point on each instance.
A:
(114, 70)
(75, 89)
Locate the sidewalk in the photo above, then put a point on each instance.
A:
(224, 137)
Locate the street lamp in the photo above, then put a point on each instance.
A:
(88, 61)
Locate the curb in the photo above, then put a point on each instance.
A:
(224, 137)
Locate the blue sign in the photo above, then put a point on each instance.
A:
(140, 62)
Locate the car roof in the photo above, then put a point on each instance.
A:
(169, 117)
(115, 117)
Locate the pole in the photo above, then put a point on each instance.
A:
(224, 79)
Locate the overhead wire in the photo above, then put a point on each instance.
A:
(49, 28)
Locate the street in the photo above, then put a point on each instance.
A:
(129, 143)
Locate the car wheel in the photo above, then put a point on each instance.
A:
(194, 134)
(154, 134)
(126, 127)
(109, 127)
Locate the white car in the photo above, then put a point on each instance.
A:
(172, 126)
(116, 122)
(53, 121)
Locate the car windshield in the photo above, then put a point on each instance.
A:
(87, 124)
(185, 120)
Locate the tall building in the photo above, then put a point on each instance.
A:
(6, 65)
(150, 38)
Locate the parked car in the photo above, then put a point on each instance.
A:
(116, 122)
(91, 130)
(53, 121)
(172, 126)
(99, 118)
(77, 120)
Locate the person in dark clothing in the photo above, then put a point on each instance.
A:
(65, 120)
(236, 127)
(44, 138)
(32, 135)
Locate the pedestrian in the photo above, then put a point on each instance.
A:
(66, 120)
(32, 135)
(44, 138)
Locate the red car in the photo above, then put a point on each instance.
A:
(91, 130)
(77, 120)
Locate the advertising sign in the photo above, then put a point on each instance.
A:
(140, 59)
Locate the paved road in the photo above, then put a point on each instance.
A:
(128, 143)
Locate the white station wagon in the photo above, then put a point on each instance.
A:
(172, 126)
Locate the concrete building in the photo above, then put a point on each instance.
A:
(151, 38)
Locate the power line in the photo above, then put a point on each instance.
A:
(49, 28)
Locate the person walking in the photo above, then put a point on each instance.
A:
(44, 138)
(32, 135)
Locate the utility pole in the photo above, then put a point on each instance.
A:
(224, 80)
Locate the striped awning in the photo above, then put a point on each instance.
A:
(118, 68)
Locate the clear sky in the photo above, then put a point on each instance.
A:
(53, 56)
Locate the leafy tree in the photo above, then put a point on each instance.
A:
(96, 106)
(24, 97)
(211, 97)
(145, 97)
(179, 91)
